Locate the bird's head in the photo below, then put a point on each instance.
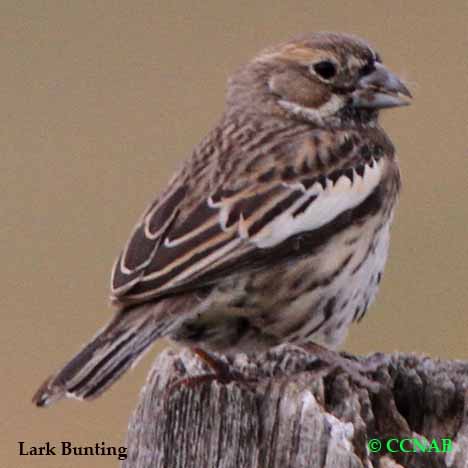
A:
(324, 78)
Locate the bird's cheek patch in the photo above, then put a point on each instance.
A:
(293, 87)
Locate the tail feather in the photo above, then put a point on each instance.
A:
(102, 361)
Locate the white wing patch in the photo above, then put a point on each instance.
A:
(335, 199)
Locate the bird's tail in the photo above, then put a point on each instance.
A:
(102, 361)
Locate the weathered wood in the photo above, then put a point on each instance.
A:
(298, 413)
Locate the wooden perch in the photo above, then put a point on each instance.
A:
(298, 413)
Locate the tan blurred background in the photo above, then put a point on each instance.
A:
(100, 101)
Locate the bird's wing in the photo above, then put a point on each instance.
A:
(171, 250)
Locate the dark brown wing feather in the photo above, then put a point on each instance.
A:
(201, 224)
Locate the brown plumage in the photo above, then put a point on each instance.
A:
(276, 228)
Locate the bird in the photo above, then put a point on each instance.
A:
(275, 229)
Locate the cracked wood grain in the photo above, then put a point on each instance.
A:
(297, 412)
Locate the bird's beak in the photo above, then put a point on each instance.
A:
(381, 89)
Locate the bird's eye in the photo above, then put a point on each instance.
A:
(325, 69)
(367, 69)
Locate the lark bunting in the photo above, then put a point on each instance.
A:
(275, 230)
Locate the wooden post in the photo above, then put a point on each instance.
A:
(299, 413)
